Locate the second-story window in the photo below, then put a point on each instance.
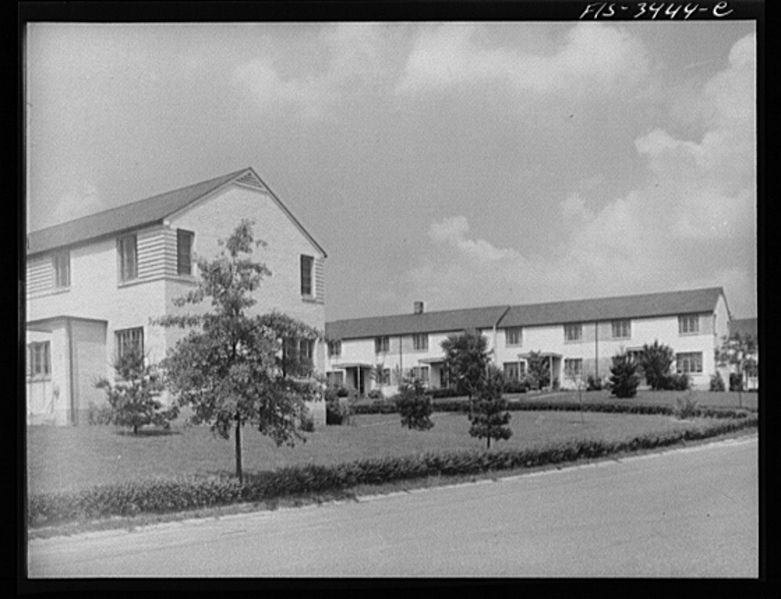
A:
(184, 252)
(307, 264)
(513, 336)
(621, 329)
(334, 349)
(381, 344)
(128, 257)
(420, 341)
(62, 269)
(573, 332)
(688, 324)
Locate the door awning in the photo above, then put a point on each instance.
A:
(353, 365)
(544, 354)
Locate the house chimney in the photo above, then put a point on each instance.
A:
(417, 308)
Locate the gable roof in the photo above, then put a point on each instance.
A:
(609, 308)
(744, 326)
(144, 212)
(585, 310)
(427, 322)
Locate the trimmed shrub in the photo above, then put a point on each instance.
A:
(515, 387)
(375, 394)
(342, 392)
(593, 383)
(442, 393)
(308, 424)
(99, 415)
(735, 381)
(414, 406)
(716, 382)
(676, 382)
(655, 361)
(623, 379)
(184, 493)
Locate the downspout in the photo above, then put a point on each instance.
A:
(596, 349)
(71, 374)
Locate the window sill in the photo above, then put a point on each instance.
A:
(309, 299)
(39, 379)
(694, 334)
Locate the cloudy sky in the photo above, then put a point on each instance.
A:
(462, 164)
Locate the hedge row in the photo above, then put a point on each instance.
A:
(158, 496)
(389, 407)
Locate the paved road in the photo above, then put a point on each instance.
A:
(689, 512)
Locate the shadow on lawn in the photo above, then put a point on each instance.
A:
(152, 432)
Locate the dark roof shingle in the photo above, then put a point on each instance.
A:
(609, 308)
(585, 310)
(127, 216)
(427, 322)
(143, 212)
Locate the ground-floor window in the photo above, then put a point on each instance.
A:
(129, 340)
(512, 371)
(335, 378)
(573, 367)
(689, 363)
(420, 373)
(39, 360)
(383, 376)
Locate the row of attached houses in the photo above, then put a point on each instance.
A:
(578, 337)
(94, 284)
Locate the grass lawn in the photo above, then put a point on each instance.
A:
(726, 399)
(60, 458)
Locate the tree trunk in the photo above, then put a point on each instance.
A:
(238, 448)
(135, 429)
(488, 442)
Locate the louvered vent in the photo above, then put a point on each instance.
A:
(251, 181)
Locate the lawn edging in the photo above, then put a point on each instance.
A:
(187, 493)
(541, 405)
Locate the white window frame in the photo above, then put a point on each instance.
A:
(61, 263)
(685, 360)
(621, 329)
(382, 344)
(420, 341)
(184, 268)
(688, 324)
(334, 349)
(128, 269)
(571, 328)
(421, 373)
(569, 371)
(39, 360)
(516, 366)
(307, 276)
(123, 338)
(513, 336)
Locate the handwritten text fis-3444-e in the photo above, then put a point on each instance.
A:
(654, 10)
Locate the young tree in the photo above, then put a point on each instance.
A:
(466, 359)
(624, 379)
(414, 405)
(236, 368)
(581, 383)
(739, 351)
(656, 361)
(490, 418)
(538, 368)
(134, 397)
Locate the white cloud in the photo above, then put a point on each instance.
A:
(80, 199)
(681, 228)
(353, 52)
(593, 57)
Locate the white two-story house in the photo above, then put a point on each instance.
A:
(577, 337)
(95, 284)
